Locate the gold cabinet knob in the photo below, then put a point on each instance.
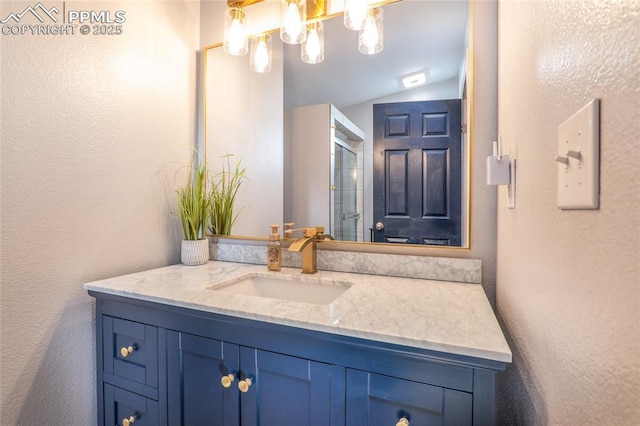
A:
(244, 385)
(403, 422)
(129, 421)
(125, 351)
(227, 380)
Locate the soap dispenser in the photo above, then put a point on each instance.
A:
(274, 250)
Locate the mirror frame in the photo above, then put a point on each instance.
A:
(362, 246)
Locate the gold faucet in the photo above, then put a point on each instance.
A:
(307, 245)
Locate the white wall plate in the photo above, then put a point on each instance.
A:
(579, 159)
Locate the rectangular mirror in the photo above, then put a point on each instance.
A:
(307, 136)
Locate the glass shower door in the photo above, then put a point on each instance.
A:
(345, 212)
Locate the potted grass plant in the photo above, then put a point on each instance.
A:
(193, 203)
(223, 188)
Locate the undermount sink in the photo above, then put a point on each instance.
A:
(286, 287)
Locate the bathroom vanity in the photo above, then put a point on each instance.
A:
(185, 345)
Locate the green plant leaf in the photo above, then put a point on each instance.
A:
(223, 189)
(193, 203)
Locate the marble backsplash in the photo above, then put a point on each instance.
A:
(424, 267)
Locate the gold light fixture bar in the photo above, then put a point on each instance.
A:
(242, 3)
(315, 8)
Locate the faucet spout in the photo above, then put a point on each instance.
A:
(300, 244)
(307, 246)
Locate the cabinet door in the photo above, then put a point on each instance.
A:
(290, 390)
(122, 406)
(381, 400)
(197, 396)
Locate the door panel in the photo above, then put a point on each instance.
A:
(288, 390)
(374, 400)
(397, 184)
(196, 394)
(418, 172)
(434, 185)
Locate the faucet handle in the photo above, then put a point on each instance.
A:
(288, 230)
(310, 232)
(320, 235)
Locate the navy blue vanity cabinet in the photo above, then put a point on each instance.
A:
(166, 365)
(211, 382)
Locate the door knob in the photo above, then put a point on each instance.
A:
(227, 380)
(244, 385)
(379, 226)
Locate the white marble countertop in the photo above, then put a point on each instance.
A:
(437, 315)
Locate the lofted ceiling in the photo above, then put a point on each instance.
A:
(419, 35)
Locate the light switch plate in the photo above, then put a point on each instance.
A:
(578, 159)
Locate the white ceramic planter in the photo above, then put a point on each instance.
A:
(195, 252)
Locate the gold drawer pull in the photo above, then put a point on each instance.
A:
(131, 420)
(125, 351)
(227, 380)
(244, 385)
(403, 422)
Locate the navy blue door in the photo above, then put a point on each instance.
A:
(197, 396)
(290, 390)
(417, 180)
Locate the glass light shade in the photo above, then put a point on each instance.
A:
(355, 12)
(370, 37)
(236, 41)
(261, 53)
(312, 51)
(293, 15)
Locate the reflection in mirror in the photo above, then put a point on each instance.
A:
(300, 159)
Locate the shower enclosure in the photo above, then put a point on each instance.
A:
(345, 206)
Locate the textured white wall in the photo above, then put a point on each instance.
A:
(93, 130)
(568, 281)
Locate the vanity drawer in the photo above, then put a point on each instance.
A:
(123, 408)
(130, 351)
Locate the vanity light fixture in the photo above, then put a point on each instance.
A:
(414, 80)
(295, 30)
(236, 41)
(312, 51)
(355, 12)
(261, 52)
(370, 37)
(293, 14)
